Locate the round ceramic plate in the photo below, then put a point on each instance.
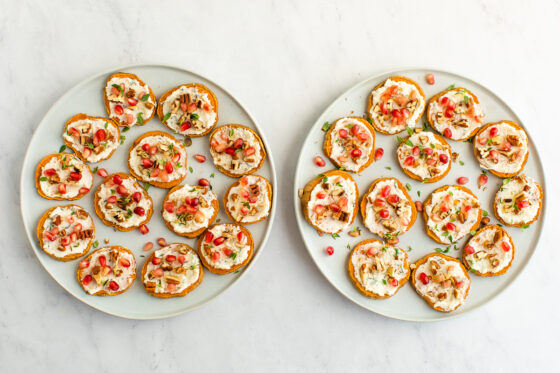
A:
(406, 304)
(86, 97)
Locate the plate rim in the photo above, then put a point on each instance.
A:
(397, 71)
(270, 220)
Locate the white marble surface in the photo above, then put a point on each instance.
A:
(286, 60)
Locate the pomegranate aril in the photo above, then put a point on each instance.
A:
(209, 237)
(321, 195)
(356, 153)
(228, 252)
(419, 206)
(385, 191)
(424, 278)
(101, 134)
(119, 110)
(393, 198)
(334, 207)
(117, 179)
(522, 204)
(444, 100)
(139, 211)
(84, 264)
(394, 282)
(113, 286)
(132, 101)
(185, 126)
(170, 258)
(156, 260)
(169, 167)
(121, 189)
(330, 250)
(161, 241)
(148, 246)
(87, 280)
(83, 190)
(469, 249)
(462, 180)
(409, 161)
(136, 196)
(379, 153)
(379, 202)
(238, 144)
(218, 241)
(158, 272)
(65, 241)
(416, 151)
(447, 133)
(102, 172)
(450, 226)
(506, 246)
(144, 229)
(443, 158)
(200, 158)
(343, 133)
(50, 236)
(493, 131)
(124, 262)
(76, 176)
(384, 214)
(449, 113)
(153, 150)
(147, 162)
(319, 161)
(203, 182)
(181, 259)
(102, 260)
(428, 151)
(482, 180)
(61, 188)
(50, 172)
(230, 151)
(240, 236)
(169, 207)
(430, 79)
(215, 256)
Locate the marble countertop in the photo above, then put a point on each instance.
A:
(286, 60)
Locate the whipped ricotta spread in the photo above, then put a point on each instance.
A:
(248, 199)
(190, 208)
(189, 111)
(452, 213)
(518, 200)
(64, 176)
(67, 231)
(379, 268)
(159, 159)
(424, 155)
(388, 211)
(236, 150)
(443, 282)
(94, 138)
(130, 102)
(455, 114)
(396, 105)
(121, 208)
(490, 250)
(225, 246)
(172, 269)
(332, 203)
(502, 148)
(351, 144)
(108, 269)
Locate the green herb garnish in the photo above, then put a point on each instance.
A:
(62, 148)
(166, 117)
(145, 97)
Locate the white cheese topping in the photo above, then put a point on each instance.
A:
(167, 150)
(118, 273)
(72, 220)
(379, 268)
(395, 205)
(332, 203)
(132, 114)
(461, 118)
(231, 252)
(505, 152)
(179, 268)
(408, 96)
(511, 196)
(342, 147)
(192, 208)
(420, 155)
(112, 212)
(84, 138)
(453, 208)
(198, 118)
(488, 254)
(64, 165)
(248, 200)
(236, 149)
(447, 286)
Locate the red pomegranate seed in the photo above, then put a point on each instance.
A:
(73, 236)
(321, 195)
(137, 196)
(379, 202)
(170, 258)
(372, 251)
(139, 211)
(330, 250)
(209, 237)
(185, 126)
(158, 272)
(343, 133)
(200, 158)
(102, 172)
(430, 79)
(393, 198)
(506, 246)
(194, 202)
(451, 105)
(203, 182)
(230, 151)
(153, 150)
(444, 208)
(146, 147)
(319, 161)
(447, 133)
(156, 260)
(121, 189)
(396, 114)
(379, 153)
(362, 136)
(356, 153)
(102, 260)
(161, 241)
(385, 191)
(169, 167)
(86, 280)
(482, 180)
(124, 262)
(83, 190)
(238, 144)
(449, 113)
(176, 157)
(493, 154)
(444, 100)
(384, 214)
(419, 206)
(405, 113)
(443, 158)
(119, 110)
(117, 179)
(50, 236)
(493, 131)
(65, 241)
(215, 256)
(148, 246)
(50, 172)
(101, 134)
(113, 286)
(416, 151)
(384, 109)
(462, 180)
(240, 236)
(218, 241)
(228, 252)
(424, 278)
(428, 151)
(169, 207)
(482, 140)
(181, 259)
(334, 207)
(506, 146)
(250, 151)
(522, 204)
(319, 209)
(409, 161)
(469, 249)
(147, 163)
(144, 229)
(132, 101)
(450, 226)
(61, 188)
(394, 282)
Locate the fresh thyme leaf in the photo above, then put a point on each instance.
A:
(212, 174)
(461, 163)
(418, 192)
(146, 186)
(399, 139)
(409, 130)
(194, 116)
(95, 169)
(118, 86)
(484, 213)
(122, 139)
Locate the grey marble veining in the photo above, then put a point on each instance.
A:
(285, 60)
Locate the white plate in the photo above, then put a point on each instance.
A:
(86, 97)
(406, 304)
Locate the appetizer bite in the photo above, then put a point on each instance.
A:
(330, 201)
(455, 113)
(424, 156)
(237, 150)
(378, 270)
(189, 109)
(451, 212)
(442, 281)
(395, 105)
(489, 252)
(93, 139)
(121, 203)
(502, 148)
(65, 232)
(248, 200)
(63, 176)
(128, 100)
(107, 271)
(172, 271)
(387, 209)
(224, 248)
(350, 143)
(518, 202)
(189, 209)
(159, 159)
